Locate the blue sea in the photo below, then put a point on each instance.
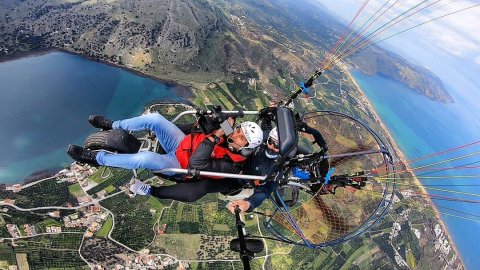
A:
(423, 127)
(45, 102)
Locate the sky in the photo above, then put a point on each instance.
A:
(449, 46)
(456, 35)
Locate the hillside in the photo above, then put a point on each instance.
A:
(196, 42)
(376, 61)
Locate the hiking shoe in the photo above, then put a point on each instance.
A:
(140, 188)
(82, 155)
(99, 121)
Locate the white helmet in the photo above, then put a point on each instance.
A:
(253, 133)
(273, 134)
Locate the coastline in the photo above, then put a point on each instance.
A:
(186, 90)
(26, 54)
(401, 156)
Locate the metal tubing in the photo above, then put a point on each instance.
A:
(194, 112)
(357, 153)
(215, 174)
(244, 253)
(295, 184)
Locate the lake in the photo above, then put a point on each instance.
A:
(45, 101)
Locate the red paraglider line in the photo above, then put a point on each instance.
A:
(442, 152)
(335, 46)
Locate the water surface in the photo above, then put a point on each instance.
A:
(422, 127)
(45, 101)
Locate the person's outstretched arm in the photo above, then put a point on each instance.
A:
(303, 127)
(255, 200)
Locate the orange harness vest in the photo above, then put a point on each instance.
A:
(188, 145)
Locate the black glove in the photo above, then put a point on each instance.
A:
(324, 148)
(267, 112)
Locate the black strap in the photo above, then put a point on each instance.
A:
(189, 150)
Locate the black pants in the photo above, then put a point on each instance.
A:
(194, 190)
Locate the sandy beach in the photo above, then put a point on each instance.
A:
(400, 158)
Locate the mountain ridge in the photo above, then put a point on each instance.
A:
(175, 40)
(375, 61)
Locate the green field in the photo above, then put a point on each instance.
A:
(157, 206)
(410, 259)
(41, 226)
(200, 98)
(134, 220)
(107, 226)
(110, 189)
(226, 101)
(258, 103)
(51, 251)
(7, 256)
(282, 262)
(76, 190)
(361, 256)
(221, 227)
(46, 193)
(117, 178)
(184, 246)
(97, 176)
(155, 203)
(225, 88)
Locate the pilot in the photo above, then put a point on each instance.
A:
(262, 162)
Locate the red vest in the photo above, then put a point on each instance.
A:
(188, 146)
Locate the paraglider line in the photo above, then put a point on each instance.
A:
(398, 33)
(364, 41)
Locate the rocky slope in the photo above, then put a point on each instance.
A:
(195, 41)
(376, 61)
(134, 33)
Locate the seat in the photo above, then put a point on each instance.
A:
(287, 132)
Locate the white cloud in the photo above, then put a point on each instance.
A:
(451, 42)
(477, 60)
(457, 34)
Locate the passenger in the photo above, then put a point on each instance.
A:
(261, 162)
(207, 152)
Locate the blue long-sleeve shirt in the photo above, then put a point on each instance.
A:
(260, 194)
(259, 164)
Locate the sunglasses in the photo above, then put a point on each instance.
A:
(273, 142)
